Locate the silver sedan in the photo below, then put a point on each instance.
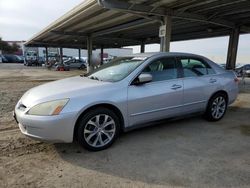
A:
(124, 94)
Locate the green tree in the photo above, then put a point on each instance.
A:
(6, 48)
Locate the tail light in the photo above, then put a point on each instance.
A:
(236, 80)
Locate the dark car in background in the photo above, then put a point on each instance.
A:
(20, 58)
(243, 70)
(10, 58)
(3, 59)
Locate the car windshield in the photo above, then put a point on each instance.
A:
(117, 69)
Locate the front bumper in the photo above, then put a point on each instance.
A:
(56, 129)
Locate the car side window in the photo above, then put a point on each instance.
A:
(194, 67)
(162, 69)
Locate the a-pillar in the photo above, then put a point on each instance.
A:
(89, 48)
(165, 40)
(232, 48)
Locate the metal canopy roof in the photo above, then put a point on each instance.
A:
(117, 23)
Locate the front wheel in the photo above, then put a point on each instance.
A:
(216, 108)
(98, 129)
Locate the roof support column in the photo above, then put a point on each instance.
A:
(46, 56)
(166, 35)
(61, 55)
(232, 48)
(79, 54)
(102, 48)
(142, 46)
(89, 48)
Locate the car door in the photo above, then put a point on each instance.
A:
(161, 98)
(73, 63)
(77, 63)
(199, 81)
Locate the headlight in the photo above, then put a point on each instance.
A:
(48, 108)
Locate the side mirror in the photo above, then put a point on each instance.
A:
(143, 78)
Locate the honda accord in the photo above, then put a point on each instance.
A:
(126, 93)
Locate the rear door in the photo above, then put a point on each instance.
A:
(199, 81)
(158, 99)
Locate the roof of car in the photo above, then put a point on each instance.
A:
(149, 54)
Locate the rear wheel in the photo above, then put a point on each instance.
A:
(82, 67)
(217, 107)
(98, 129)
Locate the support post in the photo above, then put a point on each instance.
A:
(61, 55)
(79, 54)
(166, 38)
(89, 48)
(46, 56)
(102, 54)
(142, 46)
(232, 48)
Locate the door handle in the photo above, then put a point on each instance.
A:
(175, 86)
(212, 80)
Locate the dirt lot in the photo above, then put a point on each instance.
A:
(183, 153)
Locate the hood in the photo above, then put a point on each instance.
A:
(65, 88)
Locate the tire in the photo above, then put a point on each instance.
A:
(217, 107)
(82, 67)
(95, 135)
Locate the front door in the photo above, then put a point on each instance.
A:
(161, 98)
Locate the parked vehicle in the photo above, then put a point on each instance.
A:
(75, 63)
(31, 57)
(62, 67)
(125, 94)
(244, 69)
(3, 59)
(20, 59)
(41, 60)
(11, 58)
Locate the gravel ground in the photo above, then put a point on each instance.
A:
(184, 153)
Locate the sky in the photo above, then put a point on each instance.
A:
(21, 19)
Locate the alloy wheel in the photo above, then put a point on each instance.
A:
(99, 130)
(218, 107)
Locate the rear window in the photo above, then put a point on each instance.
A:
(195, 67)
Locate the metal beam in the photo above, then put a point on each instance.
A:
(160, 11)
(142, 47)
(200, 18)
(165, 40)
(79, 54)
(102, 54)
(217, 4)
(70, 33)
(232, 48)
(89, 48)
(131, 7)
(46, 55)
(61, 55)
(101, 32)
(245, 29)
(122, 27)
